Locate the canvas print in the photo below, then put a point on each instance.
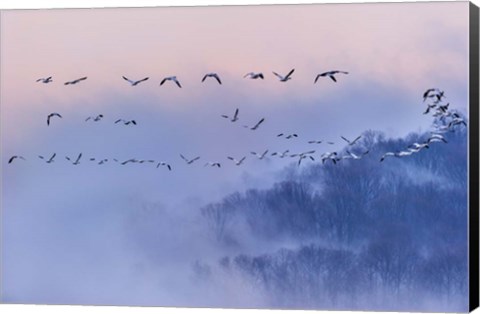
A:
(281, 156)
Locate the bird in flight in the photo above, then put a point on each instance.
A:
(429, 107)
(49, 160)
(289, 136)
(253, 128)
(253, 75)
(237, 162)
(399, 154)
(77, 161)
(260, 156)
(129, 160)
(351, 155)
(456, 121)
(75, 81)
(433, 93)
(53, 114)
(286, 77)
(436, 138)
(302, 157)
(135, 83)
(15, 157)
(126, 122)
(189, 161)
(162, 163)
(234, 118)
(351, 142)
(330, 156)
(213, 164)
(214, 75)
(330, 74)
(171, 78)
(281, 155)
(45, 80)
(419, 146)
(96, 118)
(303, 154)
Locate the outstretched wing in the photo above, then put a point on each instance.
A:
(277, 75)
(258, 123)
(290, 73)
(345, 139)
(126, 79)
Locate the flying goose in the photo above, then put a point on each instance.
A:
(189, 161)
(77, 161)
(260, 156)
(213, 164)
(289, 136)
(15, 157)
(303, 154)
(126, 122)
(129, 160)
(426, 94)
(456, 121)
(171, 78)
(214, 75)
(429, 107)
(434, 93)
(281, 155)
(45, 80)
(135, 83)
(330, 155)
(436, 138)
(53, 114)
(237, 162)
(162, 163)
(302, 157)
(234, 118)
(75, 81)
(443, 108)
(101, 162)
(314, 142)
(400, 153)
(253, 75)
(419, 145)
(253, 128)
(439, 96)
(286, 77)
(351, 142)
(49, 160)
(96, 119)
(354, 156)
(330, 74)
(141, 161)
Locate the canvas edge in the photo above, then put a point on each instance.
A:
(474, 158)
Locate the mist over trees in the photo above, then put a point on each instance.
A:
(361, 234)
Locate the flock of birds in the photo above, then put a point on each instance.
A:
(216, 76)
(446, 120)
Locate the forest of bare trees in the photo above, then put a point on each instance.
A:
(362, 233)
